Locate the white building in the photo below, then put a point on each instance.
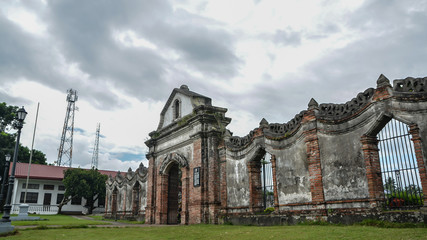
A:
(46, 190)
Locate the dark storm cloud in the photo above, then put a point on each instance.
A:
(85, 32)
(23, 55)
(82, 33)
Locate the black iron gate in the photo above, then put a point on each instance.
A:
(267, 181)
(399, 168)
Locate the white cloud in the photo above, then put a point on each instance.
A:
(256, 58)
(27, 20)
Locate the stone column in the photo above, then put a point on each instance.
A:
(314, 166)
(223, 177)
(162, 199)
(255, 198)
(196, 193)
(416, 139)
(373, 169)
(185, 180)
(313, 153)
(151, 191)
(276, 195)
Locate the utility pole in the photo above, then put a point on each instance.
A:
(94, 163)
(66, 145)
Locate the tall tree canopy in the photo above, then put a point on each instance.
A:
(7, 116)
(7, 140)
(89, 184)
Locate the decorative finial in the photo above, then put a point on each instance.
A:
(383, 81)
(263, 123)
(312, 104)
(184, 87)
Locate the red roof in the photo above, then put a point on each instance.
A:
(38, 171)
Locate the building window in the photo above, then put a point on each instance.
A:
(59, 198)
(31, 197)
(61, 188)
(76, 201)
(48, 187)
(176, 109)
(31, 186)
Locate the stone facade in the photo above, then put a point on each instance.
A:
(126, 195)
(325, 161)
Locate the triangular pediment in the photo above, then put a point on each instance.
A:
(186, 100)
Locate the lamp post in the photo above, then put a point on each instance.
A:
(21, 114)
(6, 169)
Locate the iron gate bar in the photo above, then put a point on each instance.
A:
(398, 164)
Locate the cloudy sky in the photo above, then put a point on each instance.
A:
(256, 58)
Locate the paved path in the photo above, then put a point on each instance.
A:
(109, 224)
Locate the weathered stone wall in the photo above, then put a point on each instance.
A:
(325, 160)
(126, 196)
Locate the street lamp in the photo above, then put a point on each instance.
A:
(21, 114)
(6, 169)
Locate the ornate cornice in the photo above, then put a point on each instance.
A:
(410, 85)
(334, 112)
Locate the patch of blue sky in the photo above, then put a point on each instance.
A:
(79, 130)
(124, 156)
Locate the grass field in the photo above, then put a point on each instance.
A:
(225, 232)
(62, 220)
(65, 227)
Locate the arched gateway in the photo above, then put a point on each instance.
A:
(184, 179)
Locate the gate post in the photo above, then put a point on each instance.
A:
(373, 170)
(255, 198)
(416, 139)
(276, 195)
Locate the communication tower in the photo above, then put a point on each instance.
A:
(65, 153)
(94, 163)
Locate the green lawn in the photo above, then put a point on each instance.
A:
(63, 220)
(225, 232)
(112, 220)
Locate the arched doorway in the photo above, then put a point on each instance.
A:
(174, 195)
(114, 203)
(261, 181)
(136, 199)
(399, 168)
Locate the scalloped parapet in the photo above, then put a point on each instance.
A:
(275, 130)
(238, 142)
(410, 85)
(331, 111)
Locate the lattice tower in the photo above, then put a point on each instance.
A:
(65, 152)
(94, 163)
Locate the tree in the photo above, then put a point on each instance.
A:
(89, 184)
(7, 140)
(7, 116)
